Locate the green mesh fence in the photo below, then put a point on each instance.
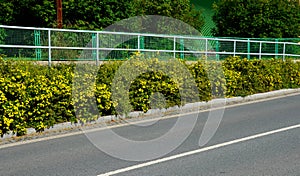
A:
(69, 45)
(70, 39)
(18, 37)
(265, 48)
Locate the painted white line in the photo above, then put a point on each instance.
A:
(198, 151)
(142, 121)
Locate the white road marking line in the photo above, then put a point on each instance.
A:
(198, 151)
(142, 121)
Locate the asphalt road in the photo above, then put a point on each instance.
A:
(275, 153)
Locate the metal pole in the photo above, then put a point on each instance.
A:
(283, 56)
(94, 45)
(206, 48)
(59, 13)
(234, 48)
(276, 48)
(49, 47)
(142, 44)
(139, 43)
(248, 49)
(217, 49)
(181, 48)
(260, 48)
(97, 46)
(174, 48)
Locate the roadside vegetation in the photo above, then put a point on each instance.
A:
(257, 18)
(38, 96)
(94, 15)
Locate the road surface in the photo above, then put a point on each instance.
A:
(259, 138)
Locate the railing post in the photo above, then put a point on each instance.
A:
(248, 49)
(37, 42)
(49, 47)
(283, 56)
(174, 48)
(260, 48)
(97, 47)
(139, 43)
(206, 48)
(217, 49)
(94, 45)
(234, 48)
(181, 48)
(276, 49)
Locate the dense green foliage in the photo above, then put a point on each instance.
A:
(93, 15)
(206, 7)
(179, 9)
(257, 18)
(78, 14)
(38, 96)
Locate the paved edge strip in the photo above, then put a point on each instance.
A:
(134, 167)
(146, 120)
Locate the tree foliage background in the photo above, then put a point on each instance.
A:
(257, 18)
(178, 9)
(91, 14)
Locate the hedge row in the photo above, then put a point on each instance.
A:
(37, 96)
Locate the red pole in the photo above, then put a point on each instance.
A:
(59, 13)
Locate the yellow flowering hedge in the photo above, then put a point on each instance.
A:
(37, 96)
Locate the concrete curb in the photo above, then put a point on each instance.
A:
(152, 113)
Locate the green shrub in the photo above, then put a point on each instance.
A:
(38, 96)
(34, 96)
(245, 77)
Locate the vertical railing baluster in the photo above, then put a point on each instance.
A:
(139, 43)
(283, 56)
(206, 48)
(234, 48)
(97, 47)
(248, 49)
(260, 49)
(49, 47)
(174, 47)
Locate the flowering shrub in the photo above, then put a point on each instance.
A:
(38, 96)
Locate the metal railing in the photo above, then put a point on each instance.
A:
(46, 44)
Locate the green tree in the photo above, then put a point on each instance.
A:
(20, 13)
(91, 14)
(178, 9)
(6, 12)
(78, 14)
(257, 18)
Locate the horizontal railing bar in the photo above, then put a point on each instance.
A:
(145, 34)
(142, 50)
